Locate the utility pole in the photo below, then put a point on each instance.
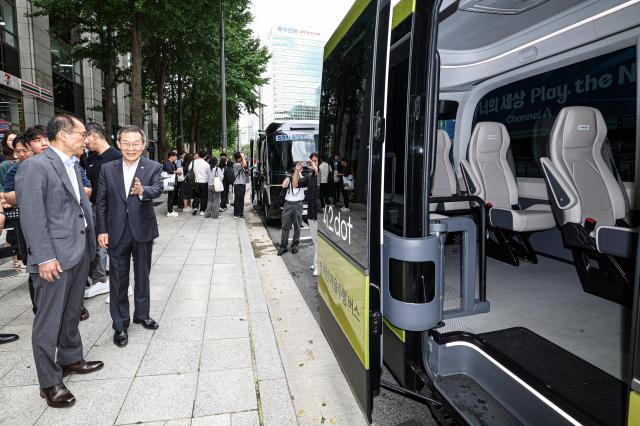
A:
(223, 81)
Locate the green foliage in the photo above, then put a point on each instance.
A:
(181, 41)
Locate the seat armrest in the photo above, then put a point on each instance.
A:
(564, 197)
(617, 241)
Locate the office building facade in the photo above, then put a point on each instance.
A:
(38, 79)
(294, 72)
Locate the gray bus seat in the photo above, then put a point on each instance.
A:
(443, 183)
(588, 203)
(487, 174)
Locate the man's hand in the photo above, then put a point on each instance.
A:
(50, 271)
(103, 240)
(2, 220)
(137, 187)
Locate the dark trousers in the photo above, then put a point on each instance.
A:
(202, 197)
(170, 197)
(345, 196)
(177, 200)
(56, 339)
(238, 199)
(337, 189)
(291, 216)
(225, 196)
(325, 196)
(119, 263)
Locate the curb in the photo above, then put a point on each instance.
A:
(274, 396)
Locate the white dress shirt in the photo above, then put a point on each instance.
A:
(129, 173)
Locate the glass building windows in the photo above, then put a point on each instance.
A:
(9, 54)
(68, 90)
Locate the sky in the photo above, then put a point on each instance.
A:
(315, 14)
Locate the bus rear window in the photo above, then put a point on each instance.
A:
(529, 107)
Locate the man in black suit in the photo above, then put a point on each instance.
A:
(126, 225)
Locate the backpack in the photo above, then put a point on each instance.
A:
(229, 176)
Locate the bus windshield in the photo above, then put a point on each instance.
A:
(287, 148)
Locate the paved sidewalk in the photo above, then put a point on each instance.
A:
(213, 361)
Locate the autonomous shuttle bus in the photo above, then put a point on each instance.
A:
(489, 257)
(277, 151)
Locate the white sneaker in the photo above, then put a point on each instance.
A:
(186, 209)
(174, 214)
(129, 293)
(312, 267)
(169, 214)
(315, 272)
(201, 213)
(345, 209)
(97, 289)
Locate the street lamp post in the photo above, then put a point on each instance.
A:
(223, 82)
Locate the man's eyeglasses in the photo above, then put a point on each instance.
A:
(127, 145)
(83, 133)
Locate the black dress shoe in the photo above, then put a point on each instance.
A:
(294, 249)
(148, 323)
(282, 250)
(8, 338)
(120, 338)
(84, 314)
(58, 396)
(82, 367)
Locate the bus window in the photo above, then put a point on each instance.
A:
(394, 195)
(529, 107)
(344, 130)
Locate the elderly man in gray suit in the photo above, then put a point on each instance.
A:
(126, 225)
(57, 222)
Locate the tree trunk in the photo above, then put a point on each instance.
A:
(108, 108)
(198, 127)
(160, 74)
(137, 112)
(180, 115)
(194, 128)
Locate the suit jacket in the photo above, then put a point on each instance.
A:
(53, 223)
(113, 206)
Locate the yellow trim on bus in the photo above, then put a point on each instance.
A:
(634, 409)
(402, 11)
(400, 333)
(354, 13)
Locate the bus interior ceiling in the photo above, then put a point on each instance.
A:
(543, 59)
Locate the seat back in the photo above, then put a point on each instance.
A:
(443, 183)
(575, 149)
(487, 157)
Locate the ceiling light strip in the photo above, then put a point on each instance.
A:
(553, 34)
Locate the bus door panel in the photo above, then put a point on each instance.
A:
(410, 131)
(351, 138)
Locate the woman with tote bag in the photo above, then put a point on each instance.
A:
(215, 190)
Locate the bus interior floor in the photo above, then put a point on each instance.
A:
(546, 298)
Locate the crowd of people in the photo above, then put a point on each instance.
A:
(85, 213)
(202, 183)
(78, 213)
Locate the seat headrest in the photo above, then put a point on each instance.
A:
(490, 136)
(581, 125)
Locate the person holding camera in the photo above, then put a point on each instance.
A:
(292, 212)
